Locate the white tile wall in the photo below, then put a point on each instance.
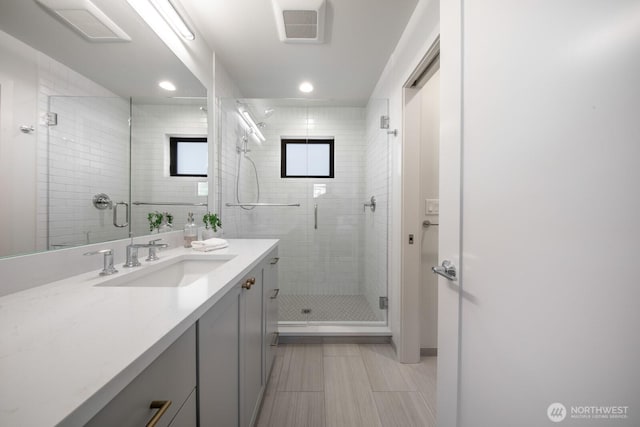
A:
(152, 126)
(86, 147)
(88, 154)
(333, 259)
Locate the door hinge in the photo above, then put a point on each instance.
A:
(51, 119)
(384, 303)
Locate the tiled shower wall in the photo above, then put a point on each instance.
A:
(329, 260)
(88, 154)
(93, 144)
(152, 125)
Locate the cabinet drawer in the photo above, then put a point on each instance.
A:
(172, 376)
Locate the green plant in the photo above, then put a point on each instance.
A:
(155, 219)
(211, 220)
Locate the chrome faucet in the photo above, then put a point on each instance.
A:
(132, 252)
(108, 268)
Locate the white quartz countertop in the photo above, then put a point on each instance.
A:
(68, 347)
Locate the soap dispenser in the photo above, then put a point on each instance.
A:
(190, 231)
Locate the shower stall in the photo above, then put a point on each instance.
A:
(316, 176)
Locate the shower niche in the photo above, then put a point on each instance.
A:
(333, 252)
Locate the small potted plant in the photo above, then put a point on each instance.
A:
(211, 224)
(160, 221)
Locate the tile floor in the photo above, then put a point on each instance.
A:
(336, 308)
(348, 385)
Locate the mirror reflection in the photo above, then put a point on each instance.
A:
(85, 131)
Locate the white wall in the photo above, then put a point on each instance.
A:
(421, 31)
(18, 151)
(151, 127)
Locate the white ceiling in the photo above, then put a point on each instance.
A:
(360, 36)
(127, 69)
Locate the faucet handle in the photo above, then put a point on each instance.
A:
(108, 268)
(153, 249)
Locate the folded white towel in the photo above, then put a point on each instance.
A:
(209, 244)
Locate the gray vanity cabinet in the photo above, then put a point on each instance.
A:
(218, 356)
(251, 353)
(171, 377)
(232, 351)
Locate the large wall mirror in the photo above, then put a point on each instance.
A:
(85, 130)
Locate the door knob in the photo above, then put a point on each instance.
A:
(446, 270)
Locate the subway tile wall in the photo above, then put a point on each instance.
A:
(88, 154)
(152, 126)
(86, 133)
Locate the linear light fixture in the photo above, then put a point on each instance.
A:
(246, 116)
(173, 18)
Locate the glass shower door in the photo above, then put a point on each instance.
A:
(88, 146)
(348, 239)
(333, 248)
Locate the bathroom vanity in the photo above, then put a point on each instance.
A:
(192, 330)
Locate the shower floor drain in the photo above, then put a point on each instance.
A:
(305, 311)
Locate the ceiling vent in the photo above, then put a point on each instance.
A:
(300, 21)
(86, 19)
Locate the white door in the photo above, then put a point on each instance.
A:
(548, 121)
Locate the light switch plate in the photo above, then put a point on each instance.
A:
(432, 206)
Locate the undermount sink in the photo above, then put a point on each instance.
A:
(179, 273)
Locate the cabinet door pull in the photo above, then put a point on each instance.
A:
(249, 283)
(275, 260)
(161, 406)
(275, 293)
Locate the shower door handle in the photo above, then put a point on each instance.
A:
(115, 214)
(447, 270)
(315, 216)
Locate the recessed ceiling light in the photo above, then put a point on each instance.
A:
(306, 87)
(167, 85)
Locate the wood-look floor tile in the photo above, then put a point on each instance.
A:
(423, 375)
(298, 409)
(385, 372)
(341, 349)
(348, 398)
(403, 409)
(269, 393)
(302, 368)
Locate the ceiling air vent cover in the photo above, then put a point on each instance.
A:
(86, 19)
(300, 21)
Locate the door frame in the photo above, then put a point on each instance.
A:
(411, 218)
